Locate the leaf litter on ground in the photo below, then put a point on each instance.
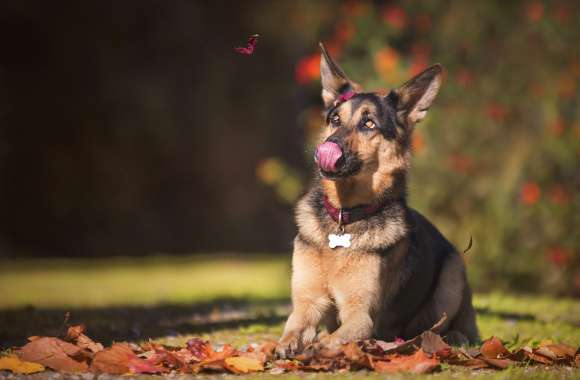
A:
(77, 353)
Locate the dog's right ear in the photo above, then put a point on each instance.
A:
(334, 80)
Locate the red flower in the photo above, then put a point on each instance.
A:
(496, 112)
(566, 88)
(343, 33)
(536, 89)
(417, 66)
(386, 61)
(557, 127)
(395, 16)
(460, 163)
(355, 8)
(530, 193)
(464, 78)
(559, 194)
(535, 11)
(562, 13)
(417, 142)
(423, 23)
(308, 69)
(559, 256)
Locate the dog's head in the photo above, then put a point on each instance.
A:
(366, 132)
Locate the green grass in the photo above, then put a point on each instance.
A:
(140, 281)
(160, 297)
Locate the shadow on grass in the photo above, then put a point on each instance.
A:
(132, 323)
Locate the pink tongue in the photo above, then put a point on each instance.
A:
(328, 154)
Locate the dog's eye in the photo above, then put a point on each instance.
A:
(335, 120)
(370, 124)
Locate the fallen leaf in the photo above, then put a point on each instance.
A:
(113, 360)
(76, 335)
(439, 324)
(527, 354)
(139, 366)
(557, 352)
(53, 353)
(201, 349)
(493, 348)
(242, 364)
(355, 355)
(74, 332)
(419, 362)
(14, 364)
(432, 343)
(287, 365)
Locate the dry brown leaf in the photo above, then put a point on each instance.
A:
(493, 348)
(354, 354)
(201, 349)
(243, 364)
(432, 343)
(419, 362)
(557, 352)
(53, 353)
(139, 366)
(287, 365)
(530, 355)
(17, 366)
(113, 360)
(75, 334)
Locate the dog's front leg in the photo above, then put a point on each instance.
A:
(356, 290)
(356, 324)
(309, 298)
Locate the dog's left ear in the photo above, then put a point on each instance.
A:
(334, 80)
(414, 98)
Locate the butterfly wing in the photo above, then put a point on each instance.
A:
(249, 49)
(243, 50)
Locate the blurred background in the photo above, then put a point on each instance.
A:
(138, 151)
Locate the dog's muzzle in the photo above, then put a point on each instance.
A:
(327, 156)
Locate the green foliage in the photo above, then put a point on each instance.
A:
(497, 158)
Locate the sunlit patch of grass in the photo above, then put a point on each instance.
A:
(141, 281)
(528, 319)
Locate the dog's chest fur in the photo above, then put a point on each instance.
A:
(369, 272)
(374, 234)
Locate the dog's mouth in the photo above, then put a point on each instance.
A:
(335, 163)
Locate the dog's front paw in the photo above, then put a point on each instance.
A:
(331, 342)
(288, 346)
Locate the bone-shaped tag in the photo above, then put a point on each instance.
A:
(339, 240)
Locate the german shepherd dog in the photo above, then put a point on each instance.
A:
(366, 264)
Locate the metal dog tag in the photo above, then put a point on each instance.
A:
(342, 240)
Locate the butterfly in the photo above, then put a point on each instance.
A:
(249, 49)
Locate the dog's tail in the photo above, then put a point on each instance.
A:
(469, 245)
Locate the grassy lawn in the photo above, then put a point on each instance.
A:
(227, 299)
